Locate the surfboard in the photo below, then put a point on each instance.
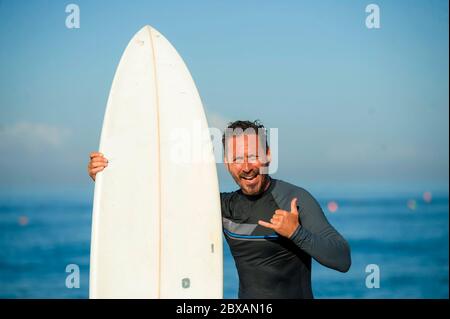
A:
(156, 225)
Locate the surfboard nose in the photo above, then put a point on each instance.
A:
(148, 31)
(148, 28)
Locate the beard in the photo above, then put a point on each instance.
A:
(251, 183)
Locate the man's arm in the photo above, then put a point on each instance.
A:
(318, 238)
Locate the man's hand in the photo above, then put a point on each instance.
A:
(283, 222)
(96, 164)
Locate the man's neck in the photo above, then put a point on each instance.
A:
(268, 181)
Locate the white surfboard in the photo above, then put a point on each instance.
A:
(156, 230)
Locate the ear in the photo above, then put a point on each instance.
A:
(265, 165)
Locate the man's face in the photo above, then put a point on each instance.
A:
(245, 157)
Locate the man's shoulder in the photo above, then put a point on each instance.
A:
(226, 198)
(284, 192)
(227, 195)
(286, 188)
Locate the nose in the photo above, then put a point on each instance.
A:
(247, 167)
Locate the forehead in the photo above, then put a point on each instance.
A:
(244, 143)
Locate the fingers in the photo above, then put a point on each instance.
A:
(95, 154)
(276, 219)
(96, 167)
(266, 224)
(96, 164)
(281, 212)
(96, 170)
(93, 172)
(97, 159)
(284, 222)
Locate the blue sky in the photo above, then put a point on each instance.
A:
(352, 105)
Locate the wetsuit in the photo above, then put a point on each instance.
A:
(270, 265)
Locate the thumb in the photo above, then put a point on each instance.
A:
(294, 209)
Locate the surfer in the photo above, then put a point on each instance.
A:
(273, 228)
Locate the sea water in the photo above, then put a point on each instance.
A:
(404, 234)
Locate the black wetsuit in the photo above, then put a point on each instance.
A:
(270, 265)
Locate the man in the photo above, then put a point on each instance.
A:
(273, 228)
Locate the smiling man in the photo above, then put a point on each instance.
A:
(273, 228)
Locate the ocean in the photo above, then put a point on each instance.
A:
(399, 244)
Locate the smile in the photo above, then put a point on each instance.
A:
(249, 179)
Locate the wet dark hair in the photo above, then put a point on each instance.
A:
(256, 125)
